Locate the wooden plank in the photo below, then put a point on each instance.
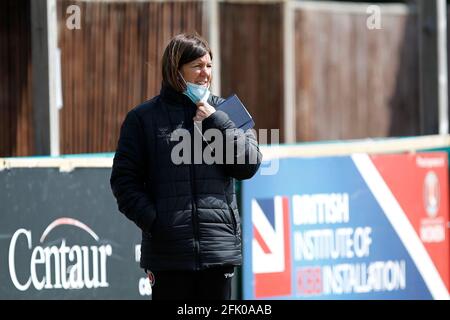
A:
(5, 100)
(428, 58)
(251, 63)
(433, 68)
(41, 29)
(353, 82)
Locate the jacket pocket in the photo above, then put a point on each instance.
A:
(233, 219)
(236, 222)
(154, 228)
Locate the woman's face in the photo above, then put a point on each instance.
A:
(198, 71)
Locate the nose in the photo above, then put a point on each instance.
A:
(204, 71)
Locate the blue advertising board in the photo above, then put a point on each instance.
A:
(348, 227)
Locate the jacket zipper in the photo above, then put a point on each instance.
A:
(194, 206)
(194, 219)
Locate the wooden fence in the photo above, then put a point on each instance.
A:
(113, 63)
(351, 82)
(354, 82)
(252, 59)
(16, 130)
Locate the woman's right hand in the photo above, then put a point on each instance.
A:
(204, 110)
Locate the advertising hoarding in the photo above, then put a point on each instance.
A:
(62, 237)
(348, 227)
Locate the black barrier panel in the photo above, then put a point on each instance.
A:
(62, 237)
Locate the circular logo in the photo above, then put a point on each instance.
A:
(151, 278)
(431, 194)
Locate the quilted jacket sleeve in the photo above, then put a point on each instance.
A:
(129, 172)
(246, 158)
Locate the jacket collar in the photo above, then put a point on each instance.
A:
(175, 98)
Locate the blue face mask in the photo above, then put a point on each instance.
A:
(196, 92)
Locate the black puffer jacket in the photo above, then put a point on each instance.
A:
(187, 212)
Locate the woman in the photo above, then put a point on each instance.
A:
(191, 236)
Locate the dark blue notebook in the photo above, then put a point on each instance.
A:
(237, 112)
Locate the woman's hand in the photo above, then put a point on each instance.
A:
(204, 110)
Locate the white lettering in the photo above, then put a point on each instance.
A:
(53, 259)
(321, 208)
(37, 258)
(90, 282)
(361, 278)
(11, 259)
(75, 274)
(145, 289)
(422, 162)
(432, 233)
(374, 20)
(74, 20)
(337, 243)
(48, 252)
(64, 251)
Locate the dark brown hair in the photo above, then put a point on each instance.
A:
(182, 49)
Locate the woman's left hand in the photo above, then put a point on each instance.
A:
(204, 110)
